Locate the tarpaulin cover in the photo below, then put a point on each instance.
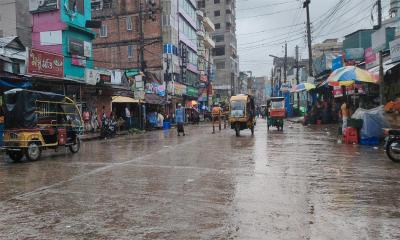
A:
(9, 84)
(373, 122)
(20, 106)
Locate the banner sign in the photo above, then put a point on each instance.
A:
(180, 89)
(379, 40)
(42, 5)
(337, 63)
(395, 50)
(354, 54)
(337, 91)
(45, 63)
(371, 58)
(192, 92)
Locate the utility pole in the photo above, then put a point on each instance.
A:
(310, 60)
(285, 65)
(297, 75)
(208, 77)
(381, 76)
(141, 39)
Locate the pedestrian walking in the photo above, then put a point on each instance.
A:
(179, 119)
(127, 118)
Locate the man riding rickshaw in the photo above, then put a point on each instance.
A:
(242, 113)
(35, 121)
(276, 112)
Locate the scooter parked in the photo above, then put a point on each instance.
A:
(392, 144)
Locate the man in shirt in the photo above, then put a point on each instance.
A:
(179, 118)
(128, 118)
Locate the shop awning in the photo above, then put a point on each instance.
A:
(386, 67)
(122, 99)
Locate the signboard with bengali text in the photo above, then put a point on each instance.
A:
(45, 63)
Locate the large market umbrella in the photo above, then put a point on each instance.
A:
(303, 87)
(349, 75)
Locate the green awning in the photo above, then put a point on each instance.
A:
(132, 72)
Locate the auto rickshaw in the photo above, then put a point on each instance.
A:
(242, 113)
(276, 112)
(35, 121)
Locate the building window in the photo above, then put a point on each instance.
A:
(217, 13)
(77, 6)
(220, 65)
(219, 38)
(219, 51)
(130, 51)
(107, 3)
(201, 4)
(217, 26)
(129, 23)
(103, 31)
(217, 1)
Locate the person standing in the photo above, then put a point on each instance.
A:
(344, 114)
(179, 119)
(127, 118)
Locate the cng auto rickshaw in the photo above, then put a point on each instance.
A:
(242, 113)
(276, 112)
(35, 121)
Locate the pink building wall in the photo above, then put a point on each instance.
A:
(43, 22)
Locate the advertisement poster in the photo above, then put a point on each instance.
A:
(371, 58)
(45, 63)
(337, 91)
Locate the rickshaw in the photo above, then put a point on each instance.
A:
(242, 113)
(35, 121)
(276, 112)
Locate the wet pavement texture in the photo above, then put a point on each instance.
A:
(296, 184)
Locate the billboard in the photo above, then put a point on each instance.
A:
(45, 63)
(43, 5)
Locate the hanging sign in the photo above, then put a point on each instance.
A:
(395, 50)
(371, 58)
(337, 91)
(45, 63)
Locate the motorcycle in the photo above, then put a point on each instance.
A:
(108, 128)
(392, 144)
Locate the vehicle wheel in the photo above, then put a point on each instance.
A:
(393, 150)
(33, 151)
(237, 130)
(76, 146)
(16, 156)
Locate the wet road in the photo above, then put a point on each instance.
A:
(298, 184)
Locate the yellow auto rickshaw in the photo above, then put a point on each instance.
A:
(242, 113)
(35, 121)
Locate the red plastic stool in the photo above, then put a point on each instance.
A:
(350, 136)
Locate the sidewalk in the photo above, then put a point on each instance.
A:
(94, 136)
(295, 119)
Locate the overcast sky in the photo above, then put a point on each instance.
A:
(264, 25)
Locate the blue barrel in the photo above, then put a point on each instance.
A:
(166, 125)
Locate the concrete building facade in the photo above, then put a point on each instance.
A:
(15, 20)
(223, 14)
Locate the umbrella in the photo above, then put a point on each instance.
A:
(348, 75)
(303, 87)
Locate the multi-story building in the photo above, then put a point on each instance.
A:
(205, 60)
(242, 83)
(329, 45)
(223, 14)
(15, 20)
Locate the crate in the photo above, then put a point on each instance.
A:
(370, 141)
(350, 136)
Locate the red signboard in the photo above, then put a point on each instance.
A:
(45, 63)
